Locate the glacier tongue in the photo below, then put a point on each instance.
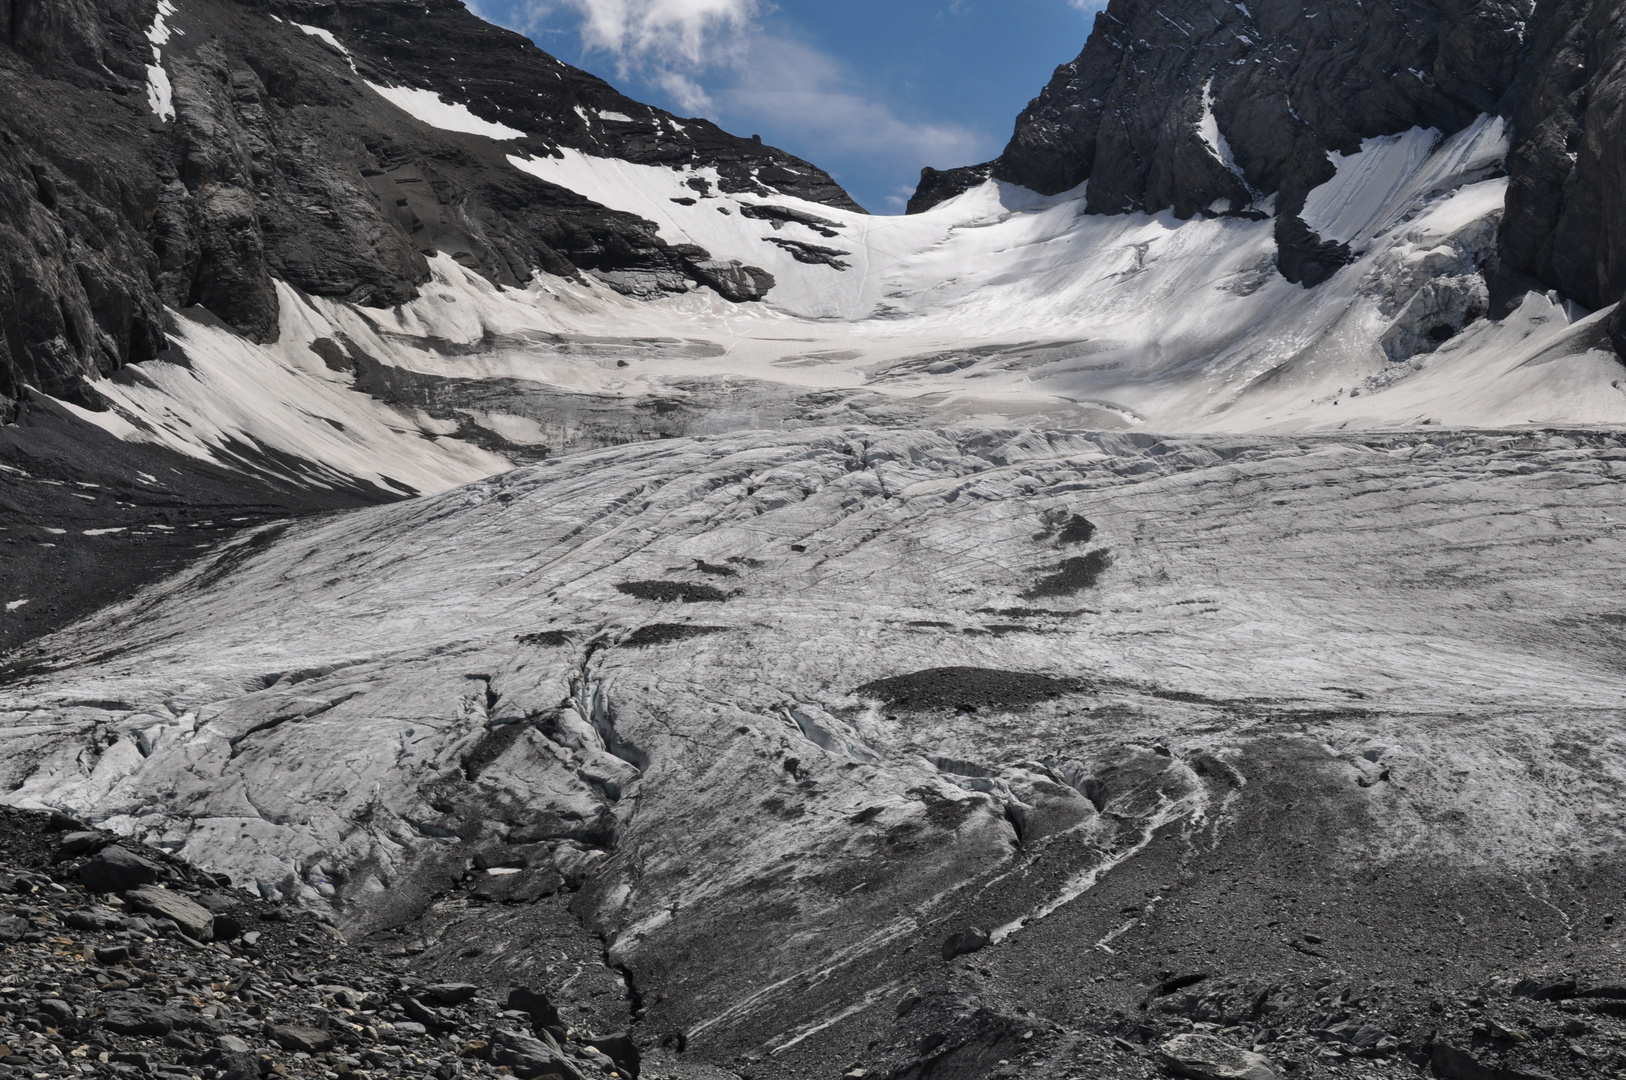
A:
(865, 687)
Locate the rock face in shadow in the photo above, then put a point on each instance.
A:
(1204, 109)
(194, 156)
(1566, 208)
(1285, 84)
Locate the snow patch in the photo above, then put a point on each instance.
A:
(1381, 183)
(1208, 130)
(13, 605)
(158, 33)
(160, 94)
(332, 42)
(620, 118)
(430, 108)
(233, 394)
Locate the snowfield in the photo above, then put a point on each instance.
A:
(999, 306)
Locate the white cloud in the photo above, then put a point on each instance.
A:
(658, 34)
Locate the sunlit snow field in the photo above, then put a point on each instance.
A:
(999, 306)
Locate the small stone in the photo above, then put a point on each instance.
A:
(966, 942)
(231, 1044)
(13, 927)
(113, 869)
(195, 920)
(410, 1027)
(1205, 1057)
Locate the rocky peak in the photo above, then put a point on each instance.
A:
(501, 76)
(204, 154)
(1213, 107)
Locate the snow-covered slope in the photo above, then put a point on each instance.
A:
(663, 671)
(997, 304)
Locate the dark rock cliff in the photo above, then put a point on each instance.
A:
(1566, 208)
(1288, 82)
(280, 164)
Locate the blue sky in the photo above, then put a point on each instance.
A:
(870, 90)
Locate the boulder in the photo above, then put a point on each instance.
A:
(530, 1058)
(296, 1039)
(451, 993)
(1545, 989)
(115, 870)
(56, 1013)
(13, 927)
(132, 1014)
(194, 920)
(93, 918)
(965, 942)
(535, 1005)
(1207, 1057)
(732, 279)
(77, 843)
(233, 1066)
(620, 1049)
(1451, 1063)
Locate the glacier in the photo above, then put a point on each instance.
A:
(868, 686)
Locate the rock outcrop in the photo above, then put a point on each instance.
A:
(156, 157)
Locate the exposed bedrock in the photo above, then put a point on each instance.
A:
(773, 722)
(247, 151)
